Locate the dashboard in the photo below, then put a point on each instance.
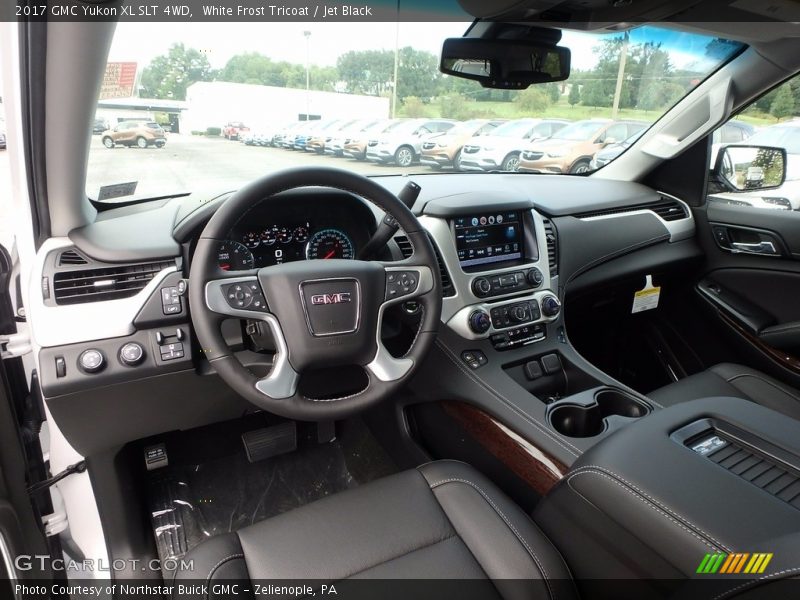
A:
(307, 227)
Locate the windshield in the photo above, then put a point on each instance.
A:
(234, 101)
(579, 132)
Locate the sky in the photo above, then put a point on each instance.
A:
(286, 41)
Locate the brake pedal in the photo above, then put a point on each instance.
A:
(270, 441)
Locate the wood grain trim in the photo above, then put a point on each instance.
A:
(784, 359)
(538, 469)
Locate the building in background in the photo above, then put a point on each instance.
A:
(119, 80)
(213, 104)
(114, 110)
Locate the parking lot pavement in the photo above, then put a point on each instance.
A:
(192, 163)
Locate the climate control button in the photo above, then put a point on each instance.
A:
(481, 287)
(550, 306)
(479, 321)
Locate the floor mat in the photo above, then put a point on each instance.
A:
(192, 502)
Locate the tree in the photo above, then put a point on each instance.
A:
(414, 107)
(660, 94)
(533, 101)
(456, 106)
(168, 75)
(366, 71)
(783, 105)
(594, 94)
(574, 94)
(554, 92)
(418, 74)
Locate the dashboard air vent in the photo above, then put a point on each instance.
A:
(104, 283)
(447, 283)
(668, 209)
(71, 257)
(552, 246)
(770, 475)
(405, 246)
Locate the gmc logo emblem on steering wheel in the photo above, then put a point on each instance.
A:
(340, 298)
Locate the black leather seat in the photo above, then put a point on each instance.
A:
(443, 520)
(727, 379)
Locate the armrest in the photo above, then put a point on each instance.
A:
(785, 336)
(643, 503)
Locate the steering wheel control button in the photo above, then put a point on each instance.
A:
(131, 354)
(400, 283)
(475, 359)
(92, 361)
(245, 295)
(171, 300)
(515, 314)
(479, 322)
(519, 336)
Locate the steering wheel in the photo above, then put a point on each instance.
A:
(322, 313)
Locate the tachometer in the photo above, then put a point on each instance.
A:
(284, 235)
(329, 243)
(251, 239)
(300, 234)
(234, 256)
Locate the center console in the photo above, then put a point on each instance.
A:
(717, 476)
(497, 261)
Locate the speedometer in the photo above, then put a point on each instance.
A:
(329, 243)
(234, 256)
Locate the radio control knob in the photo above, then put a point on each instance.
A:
(550, 306)
(519, 314)
(92, 360)
(535, 277)
(479, 321)
(481, 286)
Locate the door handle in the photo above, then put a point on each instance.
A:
(762, 247)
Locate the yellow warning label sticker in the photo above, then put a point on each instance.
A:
(647, 298)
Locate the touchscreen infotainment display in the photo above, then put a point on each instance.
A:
(488, 238)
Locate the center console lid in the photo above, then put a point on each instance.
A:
(711, 476)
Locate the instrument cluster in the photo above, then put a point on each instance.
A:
(280, 243)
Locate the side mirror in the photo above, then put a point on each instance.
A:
(505, 64)
(609, 141)
(745, 168)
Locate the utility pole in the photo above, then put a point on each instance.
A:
(307, 35)
(623, 58)
(396, 60)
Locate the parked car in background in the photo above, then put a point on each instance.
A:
(334, 145)
(402, 142)
(356, 147)
(319, 137)
(445, 150)
(135, 133)
(500, 150)
(572, 148)
(288, 137)
(234, 129)
(605, 155)
(99, 126)
(733, 132)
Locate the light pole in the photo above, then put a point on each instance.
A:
(307, 35)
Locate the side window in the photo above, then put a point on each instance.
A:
(615, 133)
(773, 120)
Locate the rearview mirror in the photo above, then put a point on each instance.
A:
(504, 64)
(745, 168)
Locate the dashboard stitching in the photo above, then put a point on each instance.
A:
(529, 418)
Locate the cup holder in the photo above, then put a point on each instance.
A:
(578, 421)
